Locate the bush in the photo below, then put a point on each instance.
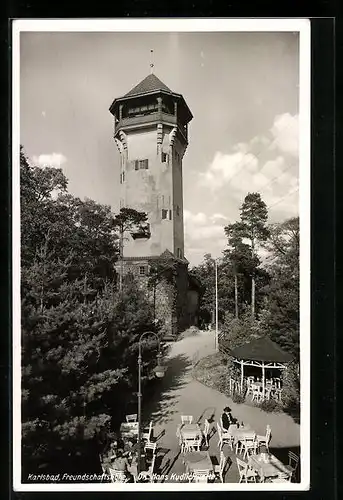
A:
(238, 398)
(270, 406)
(211, 371)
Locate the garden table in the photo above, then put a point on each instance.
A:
(272, 468)
(190, 431)
(242, 432)
(129, 429)
(198, 460)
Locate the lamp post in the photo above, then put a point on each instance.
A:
(216, 268)
(159, 372)
(216, 302)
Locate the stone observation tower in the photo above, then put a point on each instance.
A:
(151, 134)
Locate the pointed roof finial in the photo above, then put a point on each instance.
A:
(152, 61)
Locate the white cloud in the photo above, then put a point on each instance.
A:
(243, 167)
(199, 218)
(225, 167)
(284, 206)
(285, 132)
(203, 234)
(218, 217)
(49, 160)
(266, 164)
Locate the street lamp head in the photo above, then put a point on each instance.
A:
(159, 369)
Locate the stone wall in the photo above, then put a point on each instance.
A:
(174, 304)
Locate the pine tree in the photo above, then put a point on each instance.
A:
(281, 316)
(79, 336)
(243, 263)
(254, 216)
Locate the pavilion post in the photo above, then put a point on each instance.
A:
(263, 380)
(242, 375)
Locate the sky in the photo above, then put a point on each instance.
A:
(243, 91)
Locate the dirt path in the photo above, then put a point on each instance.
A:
(180, 394)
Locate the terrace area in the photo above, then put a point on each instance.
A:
(181, 395)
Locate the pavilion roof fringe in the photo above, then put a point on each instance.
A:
(261, 349)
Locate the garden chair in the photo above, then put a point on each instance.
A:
(118, 476)
(149, 474)
(147, 433)
(131, 418)
(206, 431)
(199, 476)
(246, 473)
(265, 439)
(267, 393)
(178, 433)
(229, 436)
(221, 424)
(150, 446)
(293, 461)
(224, 437)
(218, 469)
(278, 393)
(191, 444)
(248, 445)
(250, 385)
(186, 419)
(277, 382)
(220, 435)
(256, 393)
(282, 478)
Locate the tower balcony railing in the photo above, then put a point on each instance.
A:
(158, 117)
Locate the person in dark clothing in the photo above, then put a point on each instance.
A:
(121, 463)
(226, 418)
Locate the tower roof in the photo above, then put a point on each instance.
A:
(149, 84)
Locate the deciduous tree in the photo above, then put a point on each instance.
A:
(129, 221)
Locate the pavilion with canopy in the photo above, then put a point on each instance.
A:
(260, 357)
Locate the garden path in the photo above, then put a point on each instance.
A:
(180, 394)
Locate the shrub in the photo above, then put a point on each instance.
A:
(270, 406)
(291, 391)
(238, 398)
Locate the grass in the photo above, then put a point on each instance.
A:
(212, 372)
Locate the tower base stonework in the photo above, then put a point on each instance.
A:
(172, 299)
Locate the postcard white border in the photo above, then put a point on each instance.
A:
(177, 25)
